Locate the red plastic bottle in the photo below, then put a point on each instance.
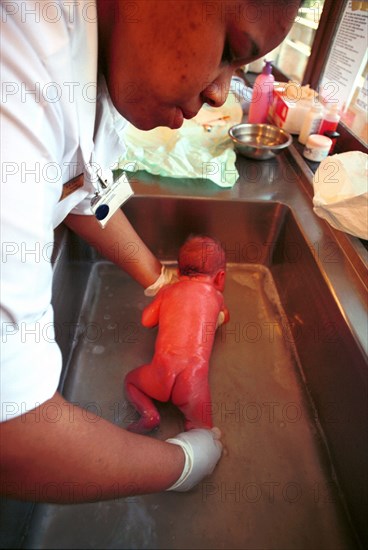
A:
(330, 120)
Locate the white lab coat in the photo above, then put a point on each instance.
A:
(48, 113)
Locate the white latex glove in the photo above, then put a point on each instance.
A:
(166, 277)
(202, 449)
(220, 319)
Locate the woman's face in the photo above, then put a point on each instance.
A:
(164, 58)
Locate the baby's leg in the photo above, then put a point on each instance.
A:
(141, 386)
(191, 394)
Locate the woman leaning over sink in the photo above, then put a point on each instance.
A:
(154, 62)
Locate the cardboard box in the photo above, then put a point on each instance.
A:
(287, 113)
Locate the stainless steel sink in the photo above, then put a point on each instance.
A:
(288, 380)
(288, 373)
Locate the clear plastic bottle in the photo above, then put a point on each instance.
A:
(311, 122)
(262, 95)
(330, 120)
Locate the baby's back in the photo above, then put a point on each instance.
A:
(187, 320)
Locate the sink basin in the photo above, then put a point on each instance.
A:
(288, 382)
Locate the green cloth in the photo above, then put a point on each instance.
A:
(189, 152)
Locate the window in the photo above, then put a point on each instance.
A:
(294, 52)
(355, 116)
(327, 48)
(345, 70)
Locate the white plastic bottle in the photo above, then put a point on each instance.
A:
(262, 95)
(311, 122)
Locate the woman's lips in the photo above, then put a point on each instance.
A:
(178, 119)
(180, 115)
(189, 114)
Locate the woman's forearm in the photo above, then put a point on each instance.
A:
(120, 243)
(59, 453)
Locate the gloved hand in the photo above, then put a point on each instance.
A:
(166, 277)
(220, 319)
(202, 449)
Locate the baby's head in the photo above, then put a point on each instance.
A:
(202, 255)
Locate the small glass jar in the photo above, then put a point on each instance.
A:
(317, 147)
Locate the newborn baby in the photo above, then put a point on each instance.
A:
(188, 313)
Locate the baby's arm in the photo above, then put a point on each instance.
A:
(150, 313)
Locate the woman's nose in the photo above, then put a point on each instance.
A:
(216, 92)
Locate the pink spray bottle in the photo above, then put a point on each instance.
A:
(262, 95)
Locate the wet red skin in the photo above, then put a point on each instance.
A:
(187, 314)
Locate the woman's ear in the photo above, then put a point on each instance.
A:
(219, 280)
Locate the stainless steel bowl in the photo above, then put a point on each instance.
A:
(259, 141)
